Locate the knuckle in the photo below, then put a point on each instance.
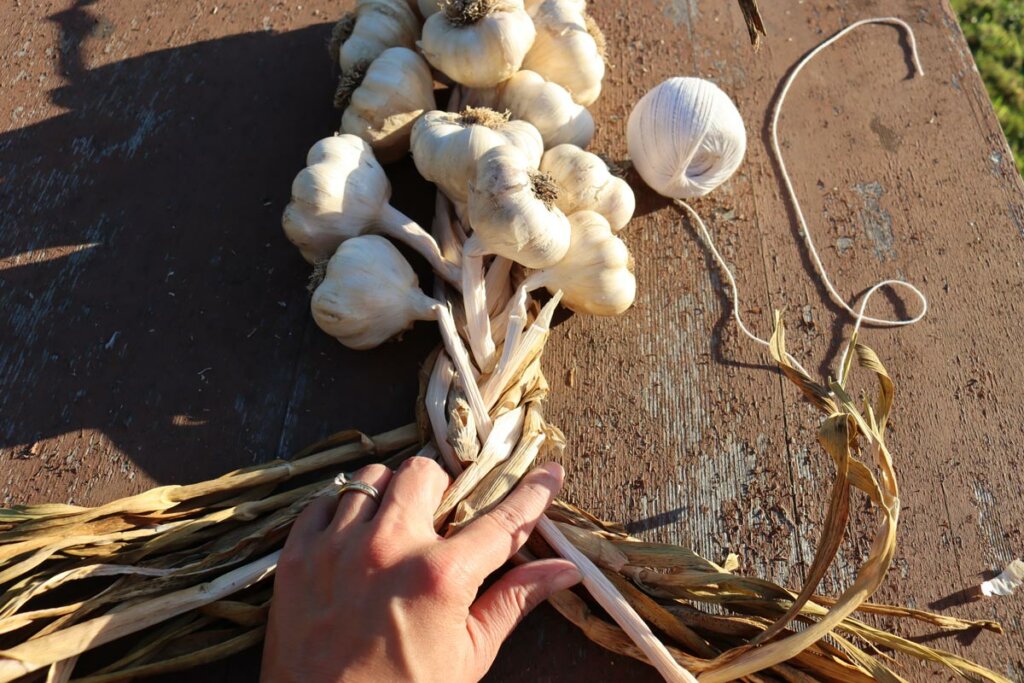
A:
(371, 473)
(422, 466)
(379, 553)
(510, 520)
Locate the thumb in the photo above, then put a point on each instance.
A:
(502, 606)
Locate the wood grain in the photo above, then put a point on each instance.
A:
(156, 327)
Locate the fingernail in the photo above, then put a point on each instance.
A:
(567, 578)
(555, 470)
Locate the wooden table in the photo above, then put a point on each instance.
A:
(156, 329)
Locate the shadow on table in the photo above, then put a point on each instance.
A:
(146, 289)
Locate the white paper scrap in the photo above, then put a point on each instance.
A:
(1005, 583)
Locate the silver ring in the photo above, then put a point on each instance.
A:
(361, 487)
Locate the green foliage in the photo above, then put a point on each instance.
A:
(995, 32)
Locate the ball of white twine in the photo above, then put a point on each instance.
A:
(686, 137)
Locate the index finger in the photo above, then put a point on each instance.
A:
(487, 543)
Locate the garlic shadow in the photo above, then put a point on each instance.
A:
(151, 302)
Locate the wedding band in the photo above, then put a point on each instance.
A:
(361, 487)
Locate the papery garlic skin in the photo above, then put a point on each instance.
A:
(379, 24)
(397, 88)
(595, 276)
(483, 52)
(427, 7)
(369, 294)
(685, 137)
(588, 185)
(339, 194)
(568, 49)
(446, 146)
(543, 103)
(510, 215)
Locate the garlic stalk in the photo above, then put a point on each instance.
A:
(342, 193)
(569, 48)
(436, 399)
(512, 211)
(382, 103)
(446, 146)
(374, 26)
(595, 276)
(477, 43)
(588, 185)
(543, 103)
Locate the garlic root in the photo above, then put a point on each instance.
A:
(382, 101)
(512, 211)
(477, 43)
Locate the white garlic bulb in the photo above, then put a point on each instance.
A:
(373, 27)
(512, 211)
(685, 137)
(569, 48)
(446, 146)
(369, 294)
(427, 7)
(596, 275)
(343, 193)
(478, 43)
(394, 91)
(587, 185)
(545, 104)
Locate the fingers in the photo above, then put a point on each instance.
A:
(490, 540)
(495, 613)
(413, 495)
(355, 506)
(312, 521)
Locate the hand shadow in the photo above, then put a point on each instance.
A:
(148, 292)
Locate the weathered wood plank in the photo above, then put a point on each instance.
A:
(167, 134)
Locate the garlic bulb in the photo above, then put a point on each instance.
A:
(588, 185)
(545, 104)
(394, 91)
(427, 7)
(685, 137)
(512, 211)
(369, 294)
(478, 43)
(596, 274)
(446, 146)
(342, 193)
(569, 48)
(373, 27)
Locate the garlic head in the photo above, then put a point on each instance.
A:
(477, 43)
(369, 294)
(395, 90)
(512, 211)
(373, 27)
(685, 137)
(596, 275)
(427, 7)
(569, 48)
(338, 195)
(446, 146)
(545, 104)
(588, 185)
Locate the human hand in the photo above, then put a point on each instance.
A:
(371, 593)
